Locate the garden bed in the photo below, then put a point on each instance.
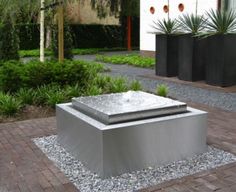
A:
(129, 59)
(31, 90)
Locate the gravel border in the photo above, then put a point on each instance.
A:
(226, 101)
(86, 181)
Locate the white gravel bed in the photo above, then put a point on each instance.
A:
(87, 181)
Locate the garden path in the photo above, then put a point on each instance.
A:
(25, 168)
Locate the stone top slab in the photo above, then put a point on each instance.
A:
(128, 106)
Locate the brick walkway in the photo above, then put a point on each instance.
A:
(23, 167)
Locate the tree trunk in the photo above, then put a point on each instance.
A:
(42, 31)
(48, 37)
(60, 34)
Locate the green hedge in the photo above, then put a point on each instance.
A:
(87, 36)
(29, 35)
(84, 36)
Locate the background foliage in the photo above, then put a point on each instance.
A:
(9, 42)
(83, 35)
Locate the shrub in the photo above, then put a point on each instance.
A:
(9, 41)
(15, 75)
(162, 90)
(11, 76)
(135, 85)
(27, 96)
(37, 74)
(9, 105)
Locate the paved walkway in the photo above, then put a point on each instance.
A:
(23, 167)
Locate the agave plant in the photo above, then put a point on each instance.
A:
(221, 22)
(166, 27)
(193, 24)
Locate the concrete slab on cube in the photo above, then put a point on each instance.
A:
(131, 105)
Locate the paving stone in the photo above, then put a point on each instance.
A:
(32, 171)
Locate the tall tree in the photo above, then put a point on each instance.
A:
(9, 41)
(23, 11)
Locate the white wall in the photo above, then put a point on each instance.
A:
(232, 4)
(147, 40)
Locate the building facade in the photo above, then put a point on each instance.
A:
(80, 12)
(153, 10)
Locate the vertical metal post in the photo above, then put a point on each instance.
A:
(219, 5)
(42, 31)
(60, 33)
(129, 33)
(168, 13)
(196, 10)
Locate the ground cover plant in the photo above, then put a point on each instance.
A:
(46, 84)
(130, 59)
(48, 52)
(162, 90)
(34, 53)
(9, 105)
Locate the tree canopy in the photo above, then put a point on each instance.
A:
(26, 11)
(116, 7)
(23, 11)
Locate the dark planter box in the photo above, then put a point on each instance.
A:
(192, 58)
(166, 55)
(221, 60)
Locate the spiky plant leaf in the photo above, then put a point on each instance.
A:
(191, 23)
(166, 26)
(221, 22)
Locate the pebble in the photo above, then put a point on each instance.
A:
(87, 181)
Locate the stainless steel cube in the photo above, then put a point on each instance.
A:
(159, 131)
